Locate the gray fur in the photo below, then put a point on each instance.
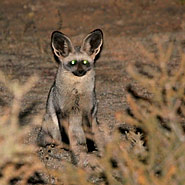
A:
(71, 101)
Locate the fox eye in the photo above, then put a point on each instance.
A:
(85, 62)
(73, 62)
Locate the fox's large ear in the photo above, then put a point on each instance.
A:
(61, 44)
(92, 43)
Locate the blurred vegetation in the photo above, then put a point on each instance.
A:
(16, 157)
(161, 117)
(182, 2)
(153, 155)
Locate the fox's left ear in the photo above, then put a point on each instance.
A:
(92, 43)
(61, 44)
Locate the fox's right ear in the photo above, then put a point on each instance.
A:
(92, 43)
(61, 44)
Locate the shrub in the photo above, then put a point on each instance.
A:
(153, 155)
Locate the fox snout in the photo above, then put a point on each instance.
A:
(80, 70)
(79, 73)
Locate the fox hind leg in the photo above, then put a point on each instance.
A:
(50, 131)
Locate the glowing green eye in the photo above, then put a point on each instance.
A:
(85, 62)
(73, 62)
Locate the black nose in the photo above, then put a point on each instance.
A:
(79, 73)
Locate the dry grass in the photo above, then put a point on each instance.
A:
(157, 159)
(16, 157)
(161, 117)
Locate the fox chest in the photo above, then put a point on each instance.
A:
(77, 100)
